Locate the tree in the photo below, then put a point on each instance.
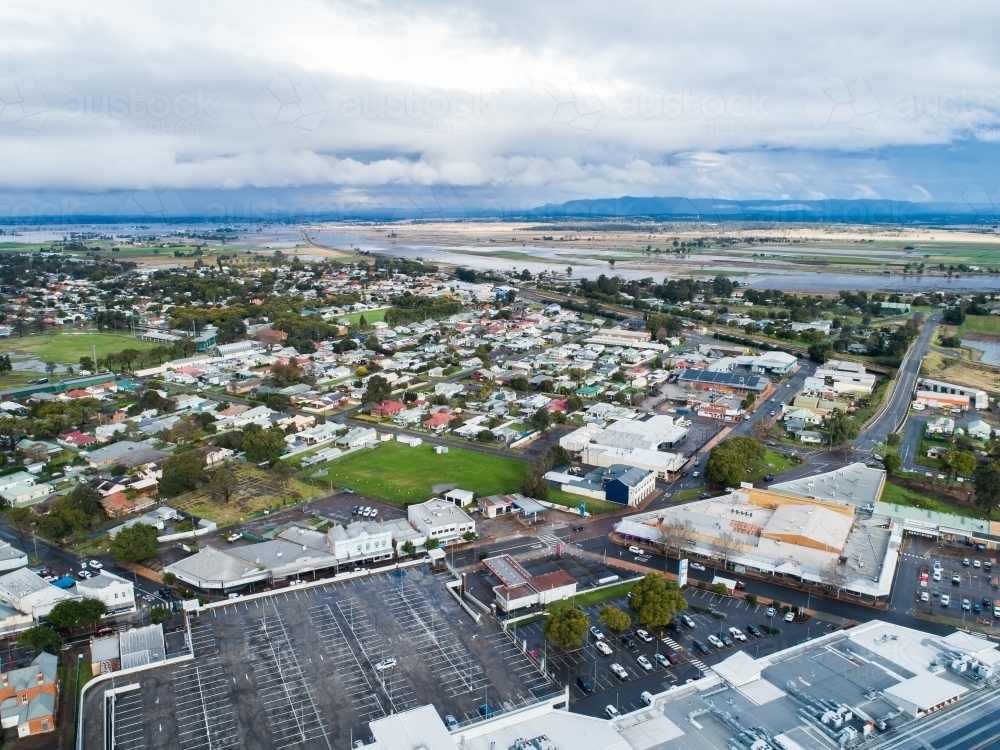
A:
(519, 384)
(470, 536)
(5, 364)
(534, 485)
(540, 419)
(378, 390)
(169, 579)
(485, 436)
(282, 472)
(987, 486)
(159, 615)
(729, 461)
(566, 628)
(432, 543)
(960, 463)
(91, 611)
(720, 589)
(953, 316)
(724, 546)
(223, 486)
(615, 619)
(19, 517)
(820, 351)
(655, 600)
(674, 533)
(891, 462)
(264, 445)
(407, 547)
(181, 472)
(40, 638)
(839, 427)
(135, 543)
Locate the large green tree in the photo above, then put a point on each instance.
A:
(615, 619)
(135, 543)
(960, 463)
(181, 473)
(566, 628)
(840, 427)
(377, 390)
(655, 600)
(264, 445)
(988, 486)
(729, 461)
(40, 638)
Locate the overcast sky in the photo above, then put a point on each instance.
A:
(495, 105)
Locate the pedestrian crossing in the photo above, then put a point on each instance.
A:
(549, 539)
(702, 666)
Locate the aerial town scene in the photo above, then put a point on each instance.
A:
(381, 377)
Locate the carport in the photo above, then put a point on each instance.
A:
(528, 508)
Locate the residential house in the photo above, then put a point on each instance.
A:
(387, 408)
(357, 437)
(28, 696)
(940, 426)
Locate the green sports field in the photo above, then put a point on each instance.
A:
(399, 474)
(66, 347)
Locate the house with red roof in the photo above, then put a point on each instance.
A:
(438, 421)
(387, 408)
(75, 439)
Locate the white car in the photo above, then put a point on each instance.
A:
(966, 605)
(789, 616)
(715, 642)
(596, 633)
(645, 663)
(646, 697)
(85, 574)
(945, 600)
(769, 612)
(603, 648)
(687, 621)
(619, 671)
(936, 575)
(937, 565)
(236, 596)
(975, 564)
(996, 611)
(386, 663)
(97, 564)
(635, 550)
(738, 634)
(696, 473)
(611, 712)
(924, 597)
(697, 566)
(234, 537)
(645, 636)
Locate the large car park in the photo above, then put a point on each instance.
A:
(943, 576)
(673, 658)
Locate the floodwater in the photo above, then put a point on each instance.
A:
(990, 350)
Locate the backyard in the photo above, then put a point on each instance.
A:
(403, 475)
(909, 492)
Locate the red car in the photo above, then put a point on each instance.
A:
(673, 658)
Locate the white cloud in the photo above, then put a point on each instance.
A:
(522, 100)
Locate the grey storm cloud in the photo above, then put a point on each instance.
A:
(523, 101)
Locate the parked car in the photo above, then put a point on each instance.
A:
(603, 648)
(737, 634)
(646, 637)
(987, 603)
(789, 616)
(769, 612)
(97, 564)
(646, 697)
(662, 660)
(451, 723)
(585, 684)
(673, 658)
(977, 607)
(937, 565)
(386, 663)
(936, 575)
(700, 646)
(965, 561)
(945, 600)
(965, 605)
(635, 550)
(611, 712)
(234, 537)
(752, 630)
(234, 595)
(726, 640)
(596, 633)
(977, 563)
(354, 512)
(715, 641)
(697, 566)
(645, 663)
(687, 621)
(925, 597)
(485, 711)
(956, 579)
(619, 671)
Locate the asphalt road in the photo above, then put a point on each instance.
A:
(897, 406)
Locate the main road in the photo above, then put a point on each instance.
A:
(897, 405)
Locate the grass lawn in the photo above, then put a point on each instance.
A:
(897, 495)
(980, 324)
(689, 494)
(594, 507)
(862, 415)
(587, 598)
(773, 463)
(371, 316)
(403, 475)
(66, 347)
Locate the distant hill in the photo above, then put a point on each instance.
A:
(867, 211)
